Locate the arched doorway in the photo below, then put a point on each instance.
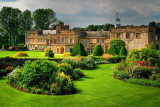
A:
(57, 50)
(61, 50)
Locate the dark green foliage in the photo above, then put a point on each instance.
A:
(79, 50)
(5, 46)
(112, 50)
(123, 51)
(144, 82)
(0, 46)
(72, 62)
(3, 72)
(49, 53)
(118, 44)
(88, 63)
(44, 18)
(121, 75)
(98, 51)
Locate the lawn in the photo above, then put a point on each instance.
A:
(96, 89)
(32, 54)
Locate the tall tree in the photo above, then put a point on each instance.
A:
(44, 18)
(9, 20)
(107, 26)
(26, 22)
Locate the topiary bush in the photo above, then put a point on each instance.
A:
(79, 50)
(98, 51)
(21, 54)
(112, 50)
(118, 44)
(48, 53)
(123, 51)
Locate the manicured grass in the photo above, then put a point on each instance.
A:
(96, 89)
(32, 54)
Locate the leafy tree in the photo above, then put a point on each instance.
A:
(112, 50)
(91, 28)
(118, 44)
(123, 51)
(152, 24)
(79, 50)
(152, 45)
(26, 22)
(44, 18)
(158, 28)
(98, 51)
(9, 20)
(107, 26)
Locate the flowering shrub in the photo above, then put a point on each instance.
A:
(21, 54)
(143, 63)
(67, 54)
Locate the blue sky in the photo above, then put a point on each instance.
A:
(80, 13)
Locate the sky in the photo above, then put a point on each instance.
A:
(81, 13)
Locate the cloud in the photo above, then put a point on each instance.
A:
(82, 13)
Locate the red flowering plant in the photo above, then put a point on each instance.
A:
(143, 63)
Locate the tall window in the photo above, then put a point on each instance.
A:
(41, 40)
(33, 46)
(28, 40)
(118, 35)
(128, 35)
(66, 39)
(84, 41)
(88, 41)
(102, 41)
(38, 40)
(62, 40)
(97, 40)
(138, 36)
(31, 40)
(70, 40)
(38, 46)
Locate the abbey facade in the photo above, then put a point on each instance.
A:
(64, 39)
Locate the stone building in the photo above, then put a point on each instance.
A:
(64, 39)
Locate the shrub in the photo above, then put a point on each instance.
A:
(5, 46)
(118, 44)
(79, 50)
(152, 45)
(87, 63)
(123, 51)
(63, 86)
(66, 68)
(48, 53)
(112, 50)
(3, 72)
(144, 82)
(79, 72)
(72, 62)
(67, 54)
(121, 75)
(98, 51)
(116, 59)
(155, 77)
(38, 73)
(21, 54)
(144, 54)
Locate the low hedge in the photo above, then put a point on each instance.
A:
(144, 82)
